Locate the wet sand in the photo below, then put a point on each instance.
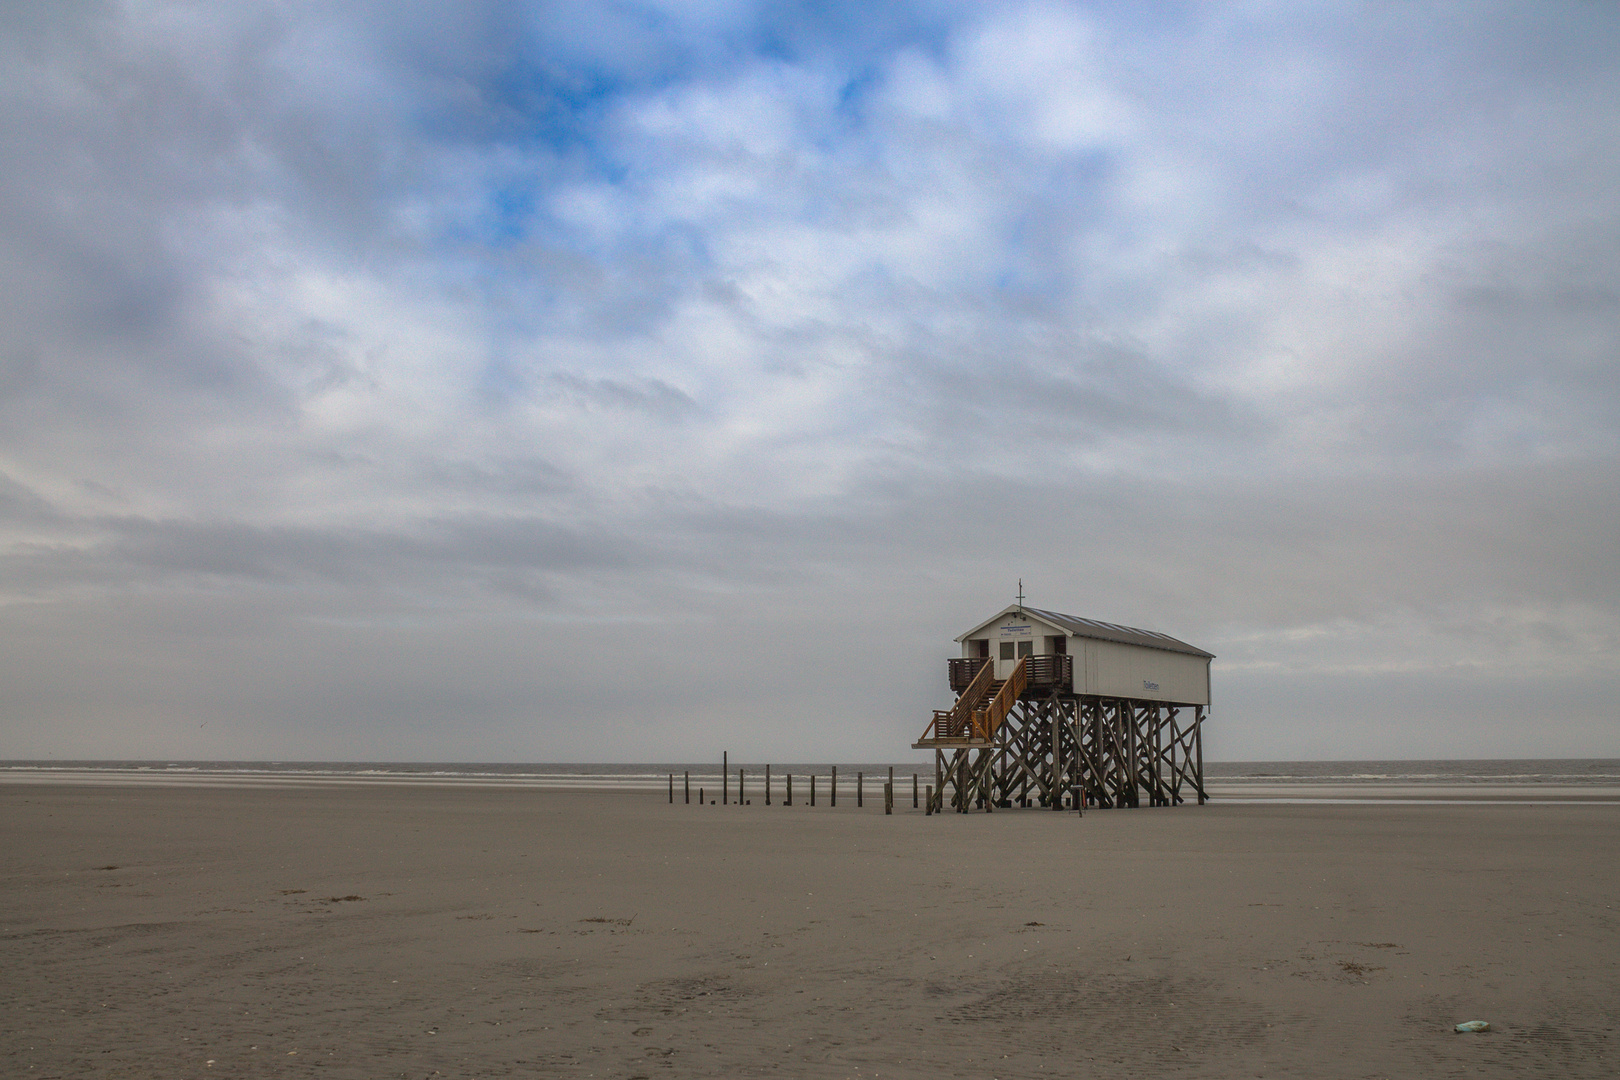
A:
(369, 931)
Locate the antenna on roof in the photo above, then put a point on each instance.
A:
(1020, 592)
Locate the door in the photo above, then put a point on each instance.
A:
(1009, 651)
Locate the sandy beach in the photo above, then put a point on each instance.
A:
(417, 931)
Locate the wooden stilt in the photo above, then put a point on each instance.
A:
(1082, 749)
(1198, 748)
(1055, 787)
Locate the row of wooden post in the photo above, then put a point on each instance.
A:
(742, 779)
(917, 797)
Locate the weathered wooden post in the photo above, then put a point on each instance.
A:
(914, 791)
(672, 789)
(860, 798)
(888, 797)
(688, 786)
(1198, 745)
(790, 790)
(832, 788)
(767, 785)
(740, 801)
(1057, 762)
(812, 789)
(929, 811)
(725, 779)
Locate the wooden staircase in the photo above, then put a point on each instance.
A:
(979, 709)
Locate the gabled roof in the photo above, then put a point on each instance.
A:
(1091, 628)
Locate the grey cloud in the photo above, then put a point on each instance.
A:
(1069, 401)
(651, 397)
(504, 476)
(435, 558)
(20, 504)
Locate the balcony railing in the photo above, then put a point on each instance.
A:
(1051, 669)
(1045, 671)
(962, 670)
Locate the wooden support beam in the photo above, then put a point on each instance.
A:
(1054, 789)
(1198, 743)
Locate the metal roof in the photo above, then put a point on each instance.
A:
(1101, 631)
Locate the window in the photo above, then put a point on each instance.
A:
(1006, 650)
(1026, 648)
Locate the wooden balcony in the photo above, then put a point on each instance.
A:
(962, 670)
(1045, 671)
(1051, 670)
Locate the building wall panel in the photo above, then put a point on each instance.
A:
(1113, 669)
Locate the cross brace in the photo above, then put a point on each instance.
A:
(1105, 752)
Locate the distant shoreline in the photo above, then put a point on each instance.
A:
(1559, 780)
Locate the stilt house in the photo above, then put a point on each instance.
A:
(1057, 709)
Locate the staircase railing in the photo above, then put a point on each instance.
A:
(953, 723)
(990, 719)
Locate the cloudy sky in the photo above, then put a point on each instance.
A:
(629, 381)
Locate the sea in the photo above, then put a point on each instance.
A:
(1516, 780)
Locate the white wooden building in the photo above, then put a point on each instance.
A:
(1068, 711)
(1108, 660)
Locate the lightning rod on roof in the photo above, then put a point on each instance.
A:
(1020, 592)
